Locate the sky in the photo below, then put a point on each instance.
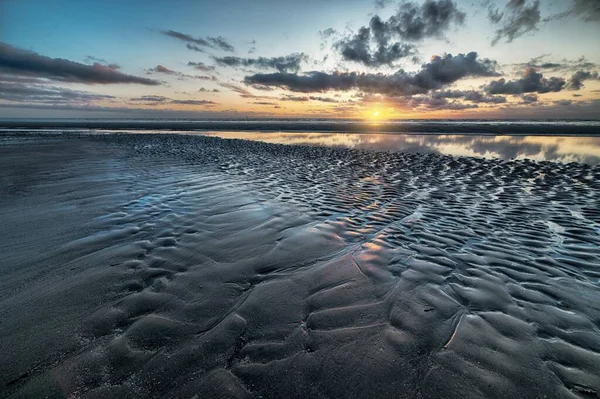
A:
(365, 59)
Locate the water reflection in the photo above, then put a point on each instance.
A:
(540, 148)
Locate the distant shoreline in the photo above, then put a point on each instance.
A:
(544, 128)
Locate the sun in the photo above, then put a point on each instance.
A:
(373, 115)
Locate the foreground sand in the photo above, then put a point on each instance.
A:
(183, 266)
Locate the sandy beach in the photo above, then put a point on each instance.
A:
(180, 266)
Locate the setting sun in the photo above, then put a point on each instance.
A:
(374, 116)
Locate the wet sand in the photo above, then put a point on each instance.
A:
(188, 266)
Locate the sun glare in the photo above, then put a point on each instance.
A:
(374, 115)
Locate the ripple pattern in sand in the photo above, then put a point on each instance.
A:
(244, 269)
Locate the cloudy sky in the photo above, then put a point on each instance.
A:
(288, 58)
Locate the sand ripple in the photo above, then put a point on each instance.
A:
(202, 267)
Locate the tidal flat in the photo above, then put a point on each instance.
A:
(167, 265)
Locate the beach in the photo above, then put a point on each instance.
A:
(172, 265)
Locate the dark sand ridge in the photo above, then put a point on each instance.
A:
(174, 266)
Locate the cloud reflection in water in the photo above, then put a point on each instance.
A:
(539, 148)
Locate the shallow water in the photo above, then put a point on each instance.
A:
(566, 148)
(539, 148)
(174, 266)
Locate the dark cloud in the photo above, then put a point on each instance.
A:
(217, 43)
(516, 19)
(546, 65)
(263, 88)
(193, 102)
(473, 96)
(161, 100)
(440, 71)
(157, 99)
(322, 61)
(426, 103)
(327, 33)
(452, 100)
(205, 90)
(94, 111)
(415, 21)
(531, 82)
(185, 37)
(288, 63)
(529, 98)
(323, 81)
(91, 59)
(588, 10)
(539, 63)
(46, 94)
(181, 76)
(563, 103)
(576, 81)
(382, 3)
(252, 49)
(194, 48)
(288, 97)
(448, 69)
(205, 77)
(323, 99)
(478, 97)
(19, 62)
(563, 66)
(239, 90)
(383, 42)
(221, 42)
(358, 48)
(163, 69)
(581, 63)
(264, 103)
(23, 79)
(201, 66)
(66, 107)
(454, 106)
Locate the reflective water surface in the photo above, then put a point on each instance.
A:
(539, 148)
(566, 148)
